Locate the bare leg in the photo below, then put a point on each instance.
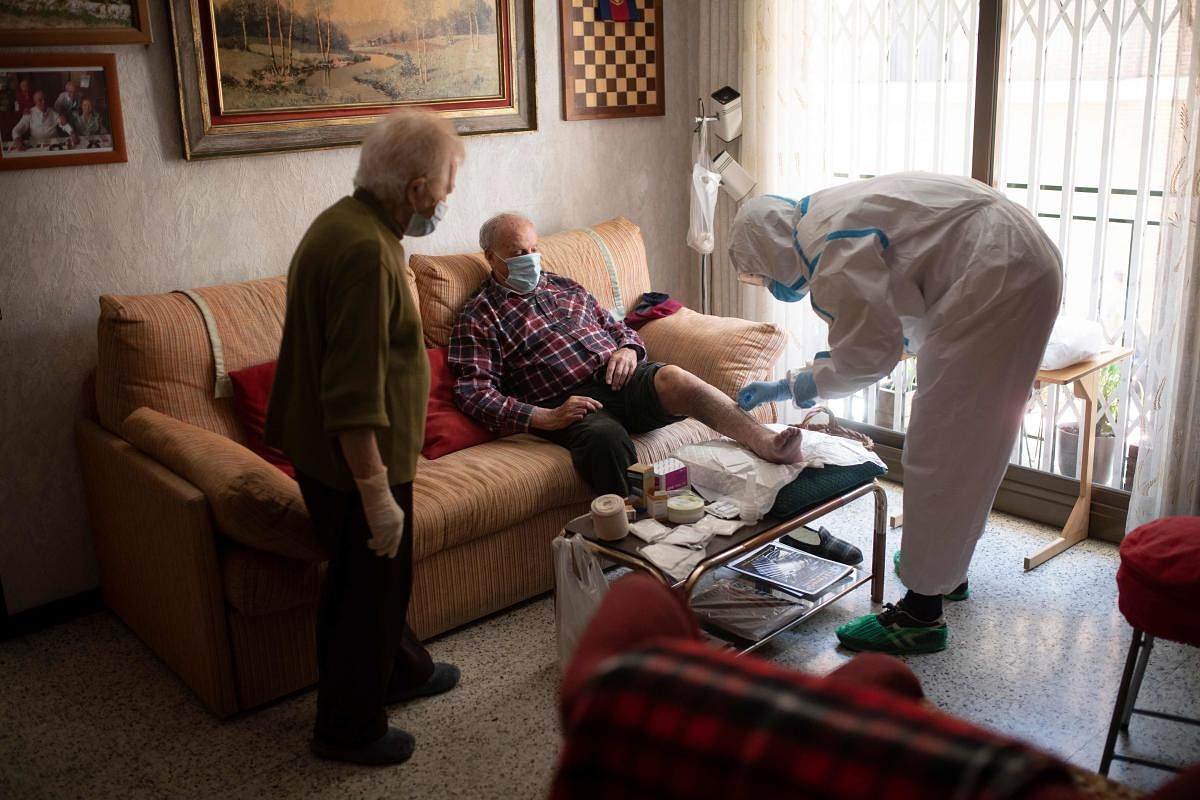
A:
(683, 394)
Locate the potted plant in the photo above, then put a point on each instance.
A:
(1107, 383)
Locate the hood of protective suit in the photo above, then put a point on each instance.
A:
(762, 240)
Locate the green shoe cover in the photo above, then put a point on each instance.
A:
(961, 592)
(893, 631)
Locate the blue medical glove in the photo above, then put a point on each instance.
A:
(804, 389)
(756, 393)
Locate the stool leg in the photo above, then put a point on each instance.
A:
(1139, 672)
(1122, 698)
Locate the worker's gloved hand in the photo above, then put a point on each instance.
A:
(755, 394)
(804, 388)
(385, 518)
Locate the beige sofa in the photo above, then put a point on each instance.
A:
(203, 548)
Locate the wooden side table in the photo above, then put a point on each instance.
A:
(1084, 376)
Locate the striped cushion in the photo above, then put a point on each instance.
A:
(725, 351)
(155, 351)
(475, 492)
(592, 256)
(253, 502)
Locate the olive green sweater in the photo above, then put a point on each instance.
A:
(353, 353)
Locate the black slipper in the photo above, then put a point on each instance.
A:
(824, 544)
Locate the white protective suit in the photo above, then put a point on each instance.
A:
(953, 271)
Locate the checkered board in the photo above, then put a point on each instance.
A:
(611, 69)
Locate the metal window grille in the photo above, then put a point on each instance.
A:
(1086, 95)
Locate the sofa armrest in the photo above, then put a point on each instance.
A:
(725, 351)
(157, 559)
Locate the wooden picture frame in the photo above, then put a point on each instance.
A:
(337, 73)
(612, 69)
(77, 118)
(86, 28)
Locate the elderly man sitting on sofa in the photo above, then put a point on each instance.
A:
(533, 351)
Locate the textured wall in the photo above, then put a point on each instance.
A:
(159, 223)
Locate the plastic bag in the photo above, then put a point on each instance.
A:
(579, 586)
(722, 468)
(1073, 340)
(703, 191)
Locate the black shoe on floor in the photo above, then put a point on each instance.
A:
(444, 678)
(394, 747)
(824, 544)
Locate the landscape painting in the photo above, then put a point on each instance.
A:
(43, 22)
(313, 54)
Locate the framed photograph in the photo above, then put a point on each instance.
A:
(59, 110)
(55, 22)
(269, 76)
(612, 58)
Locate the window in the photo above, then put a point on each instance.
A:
(1085, 87)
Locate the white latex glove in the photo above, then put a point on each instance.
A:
(384, 515)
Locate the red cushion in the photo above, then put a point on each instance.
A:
(446, 428)
(1158, 581)
(251, 394)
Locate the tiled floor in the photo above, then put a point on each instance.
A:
(86, 711)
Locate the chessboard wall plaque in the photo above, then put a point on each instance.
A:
(612, 58)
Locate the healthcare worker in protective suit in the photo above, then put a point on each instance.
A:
(951, 270)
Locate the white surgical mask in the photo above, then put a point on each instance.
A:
(421, 225)
(524, 271)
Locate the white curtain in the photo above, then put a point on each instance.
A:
(1167, 480)
(782, 143)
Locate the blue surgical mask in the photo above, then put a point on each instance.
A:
(524, 271)
(789, 294)
(421, 225)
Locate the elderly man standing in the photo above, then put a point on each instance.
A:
(348, 408)
(535, 352)
(39, 125)
(68, 104)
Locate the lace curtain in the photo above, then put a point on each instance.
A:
(1167, 480)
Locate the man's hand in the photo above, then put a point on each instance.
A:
(384, 516)
(570, 412)
(620, 367)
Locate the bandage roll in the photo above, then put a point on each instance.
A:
(684, 509)
(608, 517)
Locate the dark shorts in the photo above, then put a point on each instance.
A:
(636, 404)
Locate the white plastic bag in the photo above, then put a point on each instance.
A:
(579, 585)
(722, 468)
(1073, 340)
(703, 191)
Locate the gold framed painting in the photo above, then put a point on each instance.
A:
(55, 22)
(59, 110)
(269, 76)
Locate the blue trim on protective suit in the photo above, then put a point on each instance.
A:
(804, 205)
(823, 354)
(856, 234)
(787, 200)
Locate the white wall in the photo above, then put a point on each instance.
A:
(157, 223)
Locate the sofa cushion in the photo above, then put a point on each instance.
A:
(253, 502)
(447, 430)
(725, 351)
(264, 583)
(155, 351)
(592, 256)
(251, 396)
(480, 490)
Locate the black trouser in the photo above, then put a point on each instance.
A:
(601, 449)
(365, 649)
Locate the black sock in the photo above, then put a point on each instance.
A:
(925, 607)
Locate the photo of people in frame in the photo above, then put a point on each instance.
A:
(51, 111)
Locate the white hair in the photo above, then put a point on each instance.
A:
(489, 229)
(404, 145)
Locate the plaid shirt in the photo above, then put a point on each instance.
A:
(511, 352)
(682, 721)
